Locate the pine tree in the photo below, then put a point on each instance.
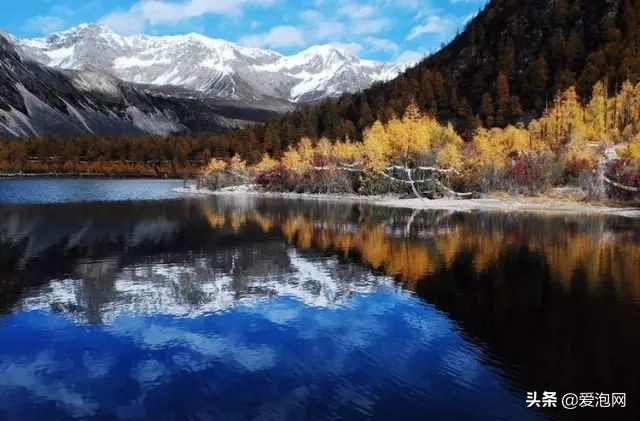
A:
(502, 87)
(487, 109)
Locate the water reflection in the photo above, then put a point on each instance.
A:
(256, 308)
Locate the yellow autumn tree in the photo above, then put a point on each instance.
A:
(415, 132)
(324, 148)
(376, 147)
(237, 164)
(446, 145)
(215, 165)
(596, 114)
(633, 150)
(449, 157)
(347, 152)
(298, 159)
(266, 162)
(485, 151)
(514, 139)
(627, 114)
(564, 120)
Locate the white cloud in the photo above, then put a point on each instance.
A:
(354, 19)
(283, 36)
(432, 25)
(44, 24)
(311, 16)
(377, 44)
(156, 12)
(353, 47)
(320, 28)
(329, 30)
(470, 17)
(356, 11)
(124, 23)
(409, 57)
(369, 26)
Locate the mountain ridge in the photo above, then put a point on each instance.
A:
(213, 67)
(37, 100)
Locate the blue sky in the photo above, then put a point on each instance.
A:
(389, 30)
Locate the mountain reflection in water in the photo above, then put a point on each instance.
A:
(265, 308)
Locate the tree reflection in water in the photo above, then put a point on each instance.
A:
(554, 301)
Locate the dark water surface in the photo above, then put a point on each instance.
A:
(233, 309)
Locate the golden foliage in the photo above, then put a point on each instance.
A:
(324, 148)
(595, 114)
(236, 164)
(568, 129)
(485, 150)
(298, 159)
(348, 152)
(376, 147)
(214, 166)
(265, 163)
(633, 150)
(450, 157)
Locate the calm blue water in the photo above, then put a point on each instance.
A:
(234, 309)
(47, 190)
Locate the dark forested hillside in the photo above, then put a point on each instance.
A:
(504, 67)
(506, 64)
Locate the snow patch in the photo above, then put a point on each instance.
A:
(77, 115)
(128, 62)
(96, 82)
(61, 57)
(156, 122)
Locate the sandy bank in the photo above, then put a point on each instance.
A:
(511, 204)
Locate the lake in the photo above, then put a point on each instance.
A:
(240, 308)
(51, 190)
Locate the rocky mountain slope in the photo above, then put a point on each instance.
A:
(37, 100)
(212, 67)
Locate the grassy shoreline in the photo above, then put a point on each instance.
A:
(545, 205)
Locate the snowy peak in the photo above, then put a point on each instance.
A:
(213, 67)
(36, 100)
(329, 71)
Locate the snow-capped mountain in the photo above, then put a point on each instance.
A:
(212, 67)
(37, 100)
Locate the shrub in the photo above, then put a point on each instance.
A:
(376, 185)
(278, 178)
(531, 173)
(591, 184)
(576, 168)
(221, 179)
(319, 160)
(624, 172)
(330, 182)
(487, 178)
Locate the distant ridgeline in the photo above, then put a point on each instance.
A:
(506, 67)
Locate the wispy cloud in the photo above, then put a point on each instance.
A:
(409, 57)
(157, 12)
(433, 24)
(44, 24)
(277, 37)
